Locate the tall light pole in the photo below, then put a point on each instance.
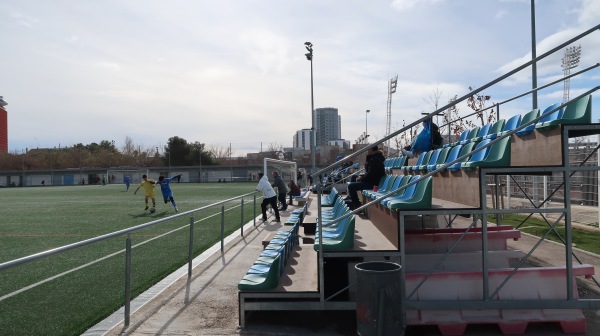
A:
(366, 127)
(569, 61)
(309, 56)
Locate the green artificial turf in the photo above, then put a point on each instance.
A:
(587, 240)
(34, 220)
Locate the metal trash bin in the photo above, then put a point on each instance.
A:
(378, 304)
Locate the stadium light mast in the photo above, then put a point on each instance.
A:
(313, 140)
(569, 61)
(366, 126)
(391, 89)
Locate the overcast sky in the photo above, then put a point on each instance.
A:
(234, 72)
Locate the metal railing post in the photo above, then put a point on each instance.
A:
(222, 228)
(127, 279)
(254, 220)
(191, 248)
(242, 218)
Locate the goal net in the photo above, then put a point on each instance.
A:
(286, 169)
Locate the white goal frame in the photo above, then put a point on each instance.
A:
(286, 169)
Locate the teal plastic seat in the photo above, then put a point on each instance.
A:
(421, 198)
(343, 243)
(495, 130)
(452, 155)
(329, 201)
(526, 119)
(576, 112)
(262, 280)
(466, 149)
(440, 159)
(471, 135)
(419, 162)
(498, 155)
(432, 159)
(384, 182)
(393, 186)
(483, 132)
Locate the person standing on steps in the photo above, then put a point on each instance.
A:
(269, 197)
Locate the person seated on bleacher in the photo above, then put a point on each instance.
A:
(429, 138)
(375, 171)
(294, 191)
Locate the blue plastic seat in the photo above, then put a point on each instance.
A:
(452, 155)
(528, 117)
(511, 124)
(466, 149)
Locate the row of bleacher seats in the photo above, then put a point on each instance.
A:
(269, 266)
(498, 155)
(338, 235)
(416, 196)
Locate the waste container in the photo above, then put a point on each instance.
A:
(378, 304)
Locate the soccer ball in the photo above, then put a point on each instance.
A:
(152, 210)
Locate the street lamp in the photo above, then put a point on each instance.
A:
(309, 56)
(366, 127)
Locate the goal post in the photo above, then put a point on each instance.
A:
(286, 169)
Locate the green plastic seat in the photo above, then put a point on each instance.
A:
(495, 129)
(343, 243)
(264, 281)
(576, 113)
(527, 118)
(498, 155)
(420, 199)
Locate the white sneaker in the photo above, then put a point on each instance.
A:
(176, 210)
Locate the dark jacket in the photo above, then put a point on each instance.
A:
(376, 168)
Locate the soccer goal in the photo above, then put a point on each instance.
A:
(286, 169)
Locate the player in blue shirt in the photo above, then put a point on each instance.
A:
(165, 188)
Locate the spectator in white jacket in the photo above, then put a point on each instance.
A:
(269, 197)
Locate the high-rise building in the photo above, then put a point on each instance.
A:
(302, 139)
(328, 124)
(3, 127)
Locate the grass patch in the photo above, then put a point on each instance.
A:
(587, 240)
(41, 218)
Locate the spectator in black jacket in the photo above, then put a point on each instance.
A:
(375, 171)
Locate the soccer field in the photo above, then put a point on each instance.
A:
(37, 219)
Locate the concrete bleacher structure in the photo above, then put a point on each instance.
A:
(406, 221)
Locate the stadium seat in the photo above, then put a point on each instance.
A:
(495, 130)
(471, 135)
(528, 117)
(497, 155)
(344, 242)
(441, 159)
(432, 159)
(329, 200)
(576, 112)
(483, 132)
(268, 279)
(511, 124)
(466, 149)
(421, 197)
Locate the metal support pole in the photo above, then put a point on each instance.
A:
(191, 248)
(127, 279)
(222, 228)
(242, 219)
(254, 207)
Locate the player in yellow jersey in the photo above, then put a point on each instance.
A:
(148, 185)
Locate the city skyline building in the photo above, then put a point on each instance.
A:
(328, 125)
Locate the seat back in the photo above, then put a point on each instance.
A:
(512, 123)
(579, 112)
(499, 154)
(527, 118)
(479, 156)
(485, 129)
(466, 149)
(453, 154)
(497, 127)
(551, 116)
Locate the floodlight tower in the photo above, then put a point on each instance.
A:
(569, 61)
(391, 89)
